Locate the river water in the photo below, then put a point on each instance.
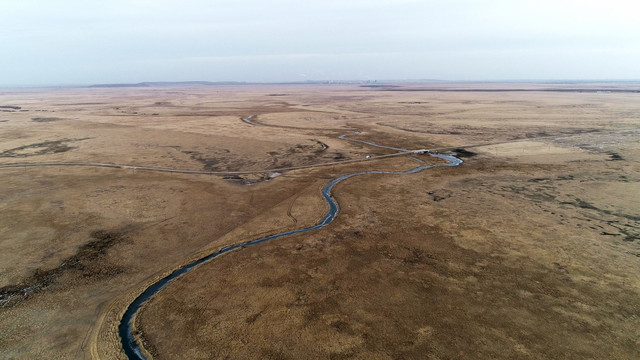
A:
(130, 345)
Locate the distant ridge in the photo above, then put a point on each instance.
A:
(566, 90)
(417, 85)
(169, 83)
(214, 83)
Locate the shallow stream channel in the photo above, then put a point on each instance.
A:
(130, 345)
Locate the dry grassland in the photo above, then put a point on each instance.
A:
(529, 250)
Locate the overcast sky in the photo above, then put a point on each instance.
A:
(123, 41)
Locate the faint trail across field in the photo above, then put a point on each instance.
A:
(185, 171)
(251, 120)
(400, 152)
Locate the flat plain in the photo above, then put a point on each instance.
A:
(528, 250)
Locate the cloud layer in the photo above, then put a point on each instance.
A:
(83, 42)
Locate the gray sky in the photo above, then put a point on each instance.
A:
(112, 41)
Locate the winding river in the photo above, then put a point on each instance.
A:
(130, 345)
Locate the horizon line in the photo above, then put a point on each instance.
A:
(313, 82)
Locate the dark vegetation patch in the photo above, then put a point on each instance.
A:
(251, 319)
(614, 223)
(299, 148)
(323, 146)
(591, 147)
(85, 263)
(560, 267)
(544, 133)
(565, 177)
(247, 179)
(1, 121)
(215, 159)
(343, 327)
(464, 153)
(41, 148)
(220, 159)
(432, 129)
(540, 194)
(208, 162)
(46, 119)
(614, 156)
(302, 154)
(12, 107)
(546, 180)
(586, 205)
(631, 237)
(581, 204)
(277, 94)
(439, 195)
(537, 134)
(537, 180)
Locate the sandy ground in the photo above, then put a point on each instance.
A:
(530, 249)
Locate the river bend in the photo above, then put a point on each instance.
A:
(130, 345)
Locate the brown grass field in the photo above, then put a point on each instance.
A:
(528, 250)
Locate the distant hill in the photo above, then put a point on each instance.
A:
(169, 83)
(372, 83)
(629, 86)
